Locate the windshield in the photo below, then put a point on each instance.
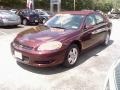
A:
(66, 21)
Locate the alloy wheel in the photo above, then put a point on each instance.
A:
(73, 55)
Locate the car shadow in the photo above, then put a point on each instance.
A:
(11, 27)
(58, 69)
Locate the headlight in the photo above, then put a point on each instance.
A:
(52, 45)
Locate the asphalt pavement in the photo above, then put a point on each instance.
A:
(89, 73)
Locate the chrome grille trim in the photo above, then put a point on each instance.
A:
(22, 46)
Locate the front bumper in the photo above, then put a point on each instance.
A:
(39, 60)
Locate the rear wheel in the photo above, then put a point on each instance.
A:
(71, 56)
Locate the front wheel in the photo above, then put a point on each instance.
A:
(71, 56)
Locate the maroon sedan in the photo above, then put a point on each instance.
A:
(61, 39)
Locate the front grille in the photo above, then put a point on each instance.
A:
(44, 62)
(26, 47)
(22, 46)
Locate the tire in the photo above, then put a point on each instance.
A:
(107, 39)
(24, 22)
(71, 56)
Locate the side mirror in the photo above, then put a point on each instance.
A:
(88, 27)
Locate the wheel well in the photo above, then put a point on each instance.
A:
(78, 43)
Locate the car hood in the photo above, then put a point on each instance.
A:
(35, 36)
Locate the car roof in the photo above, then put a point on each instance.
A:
(83, 12)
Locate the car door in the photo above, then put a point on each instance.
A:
(87, 37)
(94, 30)
(101, 28)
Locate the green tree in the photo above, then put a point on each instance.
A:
(104, 5)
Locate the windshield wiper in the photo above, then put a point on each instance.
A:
(59, 27)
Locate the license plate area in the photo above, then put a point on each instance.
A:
(18, 55)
